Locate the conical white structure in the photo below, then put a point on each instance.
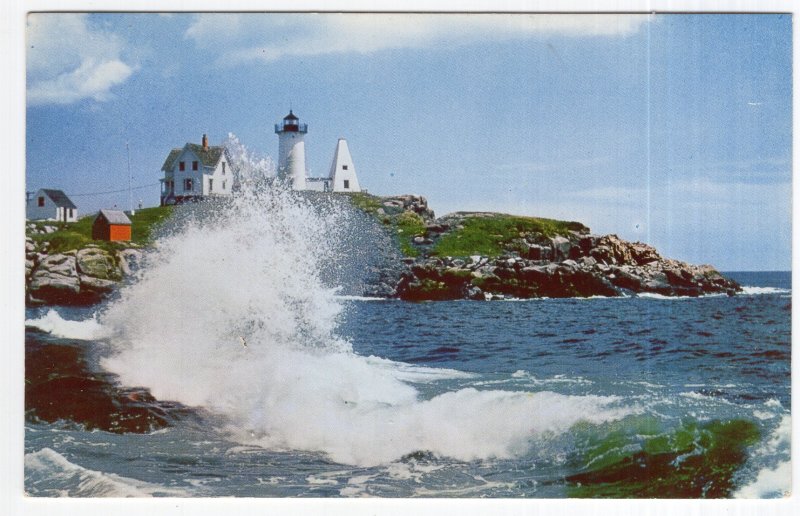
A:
(292, 151)
(343, 172)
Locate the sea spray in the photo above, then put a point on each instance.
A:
(230, 313)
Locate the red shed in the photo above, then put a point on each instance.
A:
(111, 225)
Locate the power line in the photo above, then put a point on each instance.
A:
(114, 191)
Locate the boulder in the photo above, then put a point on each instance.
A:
(570, 264)
(94, 289)
(561, 247)
(55, 280)
(537, 252)
(624, 278)
(97, 263)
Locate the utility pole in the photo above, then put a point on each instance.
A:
(130, 201)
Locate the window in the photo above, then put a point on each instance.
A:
(182, 166)
(223, 184)
(194, 165)
(187, 185)
(223, 171)
(210, 185)
(346, 184)
(71, 214)
(344, 167)
(41, 201)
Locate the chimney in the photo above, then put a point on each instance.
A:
(205, 142)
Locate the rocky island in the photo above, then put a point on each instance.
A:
(484, 256)
(462, 255)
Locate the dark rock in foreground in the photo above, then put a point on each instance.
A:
(61, 385)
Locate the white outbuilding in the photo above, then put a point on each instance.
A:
(194, 172)
(343, 171)
(51, 205)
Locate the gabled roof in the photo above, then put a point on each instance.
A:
(115, 217)
(59, 197)
(171, 157)
(209, 157)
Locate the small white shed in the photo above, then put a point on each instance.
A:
(51, 205)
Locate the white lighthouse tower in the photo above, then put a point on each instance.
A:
(292, 151)
(343, 171)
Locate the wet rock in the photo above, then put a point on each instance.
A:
(475, 293)
(129, 260)
(60, 385)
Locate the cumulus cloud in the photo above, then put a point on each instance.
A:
(68, 60)
(268, 37)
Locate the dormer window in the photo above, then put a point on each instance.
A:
(182, 166)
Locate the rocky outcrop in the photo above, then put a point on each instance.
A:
(575, 264)
(406, 203)
(74, 277)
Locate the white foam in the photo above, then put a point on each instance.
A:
(772, 481)
(362, 298)
(653, 295)
(48, 473)
(53, 323)
(230, 314)
(757, 291)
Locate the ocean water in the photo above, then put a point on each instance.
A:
(286, 388)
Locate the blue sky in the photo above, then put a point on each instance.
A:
(670, 129)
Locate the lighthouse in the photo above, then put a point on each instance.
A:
(292, 151)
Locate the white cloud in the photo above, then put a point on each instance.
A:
(268, 37)
(68, 60)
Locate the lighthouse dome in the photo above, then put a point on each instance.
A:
(290, 116)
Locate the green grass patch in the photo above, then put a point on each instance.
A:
(494, 235)
(408, 225)
(404, 226)
(366, 202)
(75, 235)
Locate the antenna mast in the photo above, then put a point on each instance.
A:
(130, 202)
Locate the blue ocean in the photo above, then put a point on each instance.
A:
(270, 383)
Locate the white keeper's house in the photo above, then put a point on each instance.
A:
(51, 205)
(194, 172)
